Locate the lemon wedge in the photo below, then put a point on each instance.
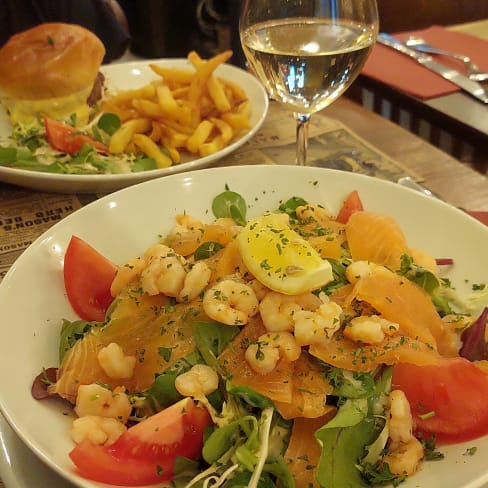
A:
(280, 258)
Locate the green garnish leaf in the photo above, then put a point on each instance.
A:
(230, 204)
(211, 339)
(71, 332)
(207, 250)
(290, 206)
(109, 123)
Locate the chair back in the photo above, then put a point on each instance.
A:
(406, 15)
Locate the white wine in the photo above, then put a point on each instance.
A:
(306, 63)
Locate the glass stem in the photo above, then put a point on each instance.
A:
(302, 137)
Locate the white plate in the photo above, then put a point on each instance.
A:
(121, 225)
(133, 75)
(20, 467)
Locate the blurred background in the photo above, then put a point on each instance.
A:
(166, 28)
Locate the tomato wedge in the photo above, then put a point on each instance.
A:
(351, 204)
(145, 453)
(87, 279)
(447, 399)
(70, 140)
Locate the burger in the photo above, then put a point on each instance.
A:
(50, 70)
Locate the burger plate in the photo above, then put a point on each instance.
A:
(124, 76)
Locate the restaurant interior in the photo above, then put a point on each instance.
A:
(410, 130)
(213, 26)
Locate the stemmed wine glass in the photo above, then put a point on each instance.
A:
(307, 52)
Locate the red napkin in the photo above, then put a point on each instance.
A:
(398, 70)
(480, 215)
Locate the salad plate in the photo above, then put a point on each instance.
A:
(20, 467)
(125, 76)
(123, 224)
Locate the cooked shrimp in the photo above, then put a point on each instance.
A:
(230, 302)
(94, 399)
(284, 342)
(165, 271)
(358, 269)
(315, 326)
(115, 363)
(405, 450)
(126, 274)
(200, 380)
(259, 289)
(405, 458)
(263, 354)
(195, 282)
(371, 329)
(229, 224)
(401, 424)
(278, 310)
(98, 430)
(262, 358)
(188, 222)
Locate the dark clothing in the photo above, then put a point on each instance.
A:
(94, 15)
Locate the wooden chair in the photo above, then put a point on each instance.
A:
(406, 15)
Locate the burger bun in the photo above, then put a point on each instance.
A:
(49, 70)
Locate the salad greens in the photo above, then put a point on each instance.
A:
(247, 444)
(28, 148)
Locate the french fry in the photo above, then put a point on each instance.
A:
(175, 139)
(198, 83)
(124, 134)
(217, 92)
(170, 107)
(152, 150)
(147, 108)
(174, 154)
(219, 141)
(146, 91)
(156, 132)
(211, 147)
(238, 93)
(225, 129)
(184, 110)
(214, 87)
(199, 136)
(182, 76)
(239, 119)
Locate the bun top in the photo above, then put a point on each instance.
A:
(48, 61)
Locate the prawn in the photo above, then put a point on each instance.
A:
(195, 282)
(164, 272)
(277, 310)
(230, 302)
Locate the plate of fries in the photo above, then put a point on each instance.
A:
(184, 113)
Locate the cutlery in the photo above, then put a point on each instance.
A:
(470, 86)
(474, 73)
(409, 182)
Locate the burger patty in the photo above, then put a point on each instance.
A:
(97, 90)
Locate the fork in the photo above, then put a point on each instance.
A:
(473, 72)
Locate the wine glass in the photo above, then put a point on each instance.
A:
(307, 52)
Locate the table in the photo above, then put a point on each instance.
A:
(440, 172)
(459, 116)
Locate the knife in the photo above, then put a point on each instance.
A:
(470, 86)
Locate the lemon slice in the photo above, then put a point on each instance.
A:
(281, 259)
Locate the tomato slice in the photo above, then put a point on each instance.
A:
(65, 138)
(447, 399)
(351, 204)
(145, 453)
(87, 279)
